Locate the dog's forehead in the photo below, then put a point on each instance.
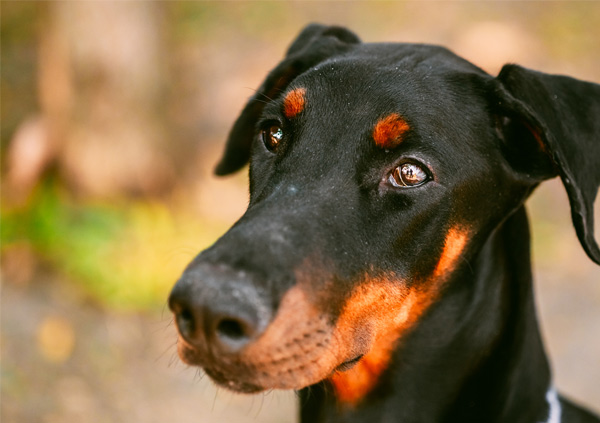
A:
(383, 96)
(378, 66)
(375, 80)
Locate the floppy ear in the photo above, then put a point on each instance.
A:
(314, 44)
(563, 115)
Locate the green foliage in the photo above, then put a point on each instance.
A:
(124, 256)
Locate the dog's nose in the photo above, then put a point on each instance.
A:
(218, 312)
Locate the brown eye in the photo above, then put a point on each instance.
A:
(272, 137)
(408, 175)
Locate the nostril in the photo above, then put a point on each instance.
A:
(186, 322)
(232, 329)
(234, 333)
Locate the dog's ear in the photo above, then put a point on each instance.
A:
(561, 118)
(314, 44)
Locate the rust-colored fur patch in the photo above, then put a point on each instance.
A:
(454, 245)
(294, 102)
(388, 309)
(384, 309)
(388, 132)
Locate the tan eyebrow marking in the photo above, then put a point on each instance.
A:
(388, 132)
(294, 102)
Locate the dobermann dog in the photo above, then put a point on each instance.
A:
(383, 265)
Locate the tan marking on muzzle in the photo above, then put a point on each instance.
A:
(296, 349)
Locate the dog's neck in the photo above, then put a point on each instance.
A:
(476, 356)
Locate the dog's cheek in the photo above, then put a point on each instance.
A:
(387, 309)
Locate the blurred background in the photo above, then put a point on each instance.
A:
(113, 115)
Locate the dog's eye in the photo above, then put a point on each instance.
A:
(408, 175)
(271, 137)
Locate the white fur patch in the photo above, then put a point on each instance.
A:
(555, 410)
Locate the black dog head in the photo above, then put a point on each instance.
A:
(377, 172)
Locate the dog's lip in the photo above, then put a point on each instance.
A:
(239, 386)
(193, 357)
(347, 365)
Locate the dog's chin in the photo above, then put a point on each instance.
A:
(231, 384)
(244, 387)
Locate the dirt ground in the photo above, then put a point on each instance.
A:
(116, 367)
